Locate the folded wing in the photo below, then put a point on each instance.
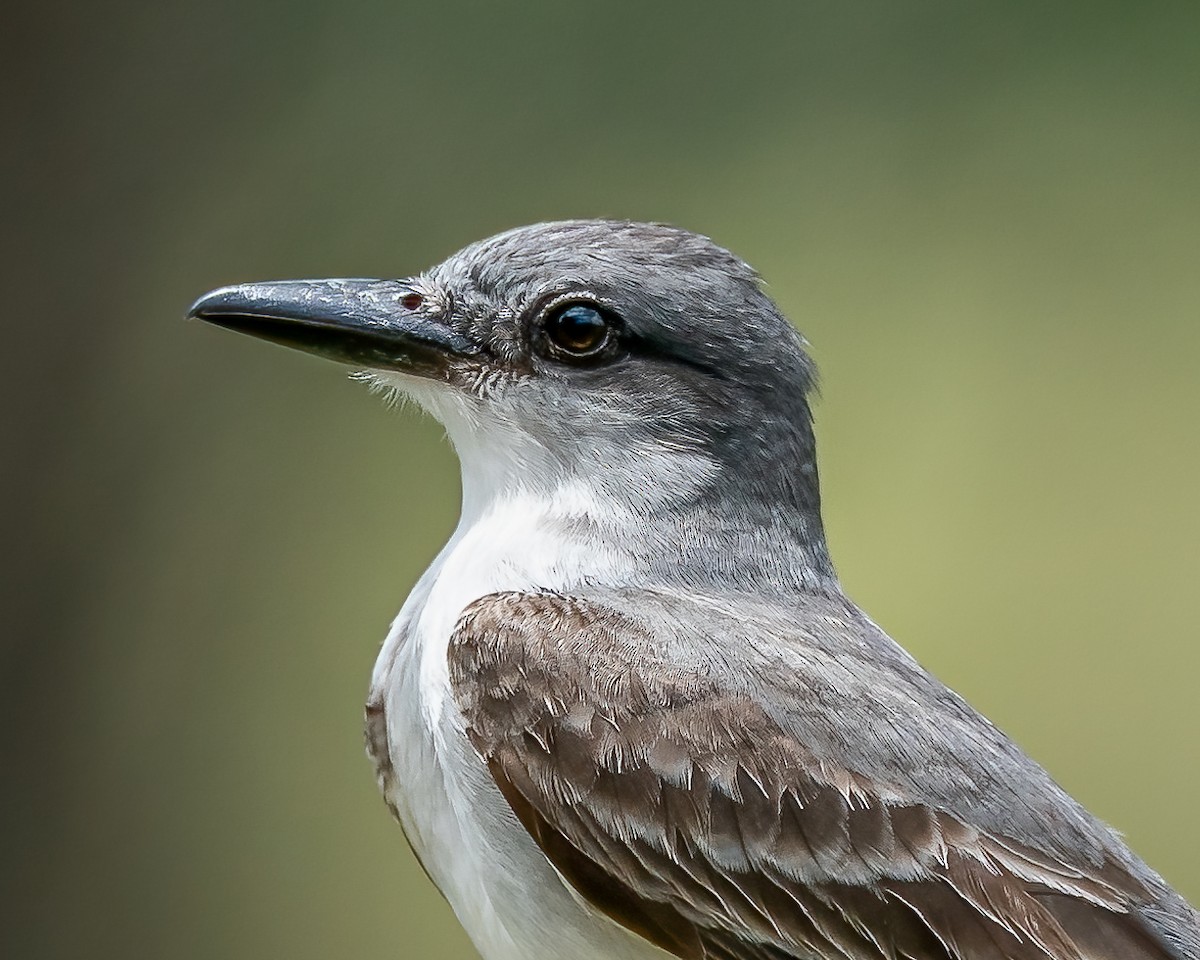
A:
(683, 804)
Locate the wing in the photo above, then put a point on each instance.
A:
(678, 774)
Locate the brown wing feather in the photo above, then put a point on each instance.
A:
(685, 813)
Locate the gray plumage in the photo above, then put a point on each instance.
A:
(750, 780)
(704, 738)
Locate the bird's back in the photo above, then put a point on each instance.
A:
(668, 751)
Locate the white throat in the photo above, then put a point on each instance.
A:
(512, 535)
(529, 522)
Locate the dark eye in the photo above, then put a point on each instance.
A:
(580, 329)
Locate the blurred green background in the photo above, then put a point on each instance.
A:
(985, 217)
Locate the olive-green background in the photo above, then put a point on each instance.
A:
(985, 217)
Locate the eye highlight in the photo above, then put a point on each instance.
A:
(579, 329)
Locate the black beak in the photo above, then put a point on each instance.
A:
(361, 322)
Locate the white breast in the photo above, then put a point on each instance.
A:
(504, 891)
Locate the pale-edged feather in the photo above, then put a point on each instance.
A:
(690, 789)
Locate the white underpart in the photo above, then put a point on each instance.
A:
(511, 536)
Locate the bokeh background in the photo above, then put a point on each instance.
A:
(985, 217)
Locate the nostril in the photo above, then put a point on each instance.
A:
(412, 301)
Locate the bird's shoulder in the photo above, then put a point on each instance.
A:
(733, 777)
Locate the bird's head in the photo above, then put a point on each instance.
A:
(639, 361)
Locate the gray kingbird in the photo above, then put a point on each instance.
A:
(628, 712)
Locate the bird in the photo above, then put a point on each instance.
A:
(628, 712)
